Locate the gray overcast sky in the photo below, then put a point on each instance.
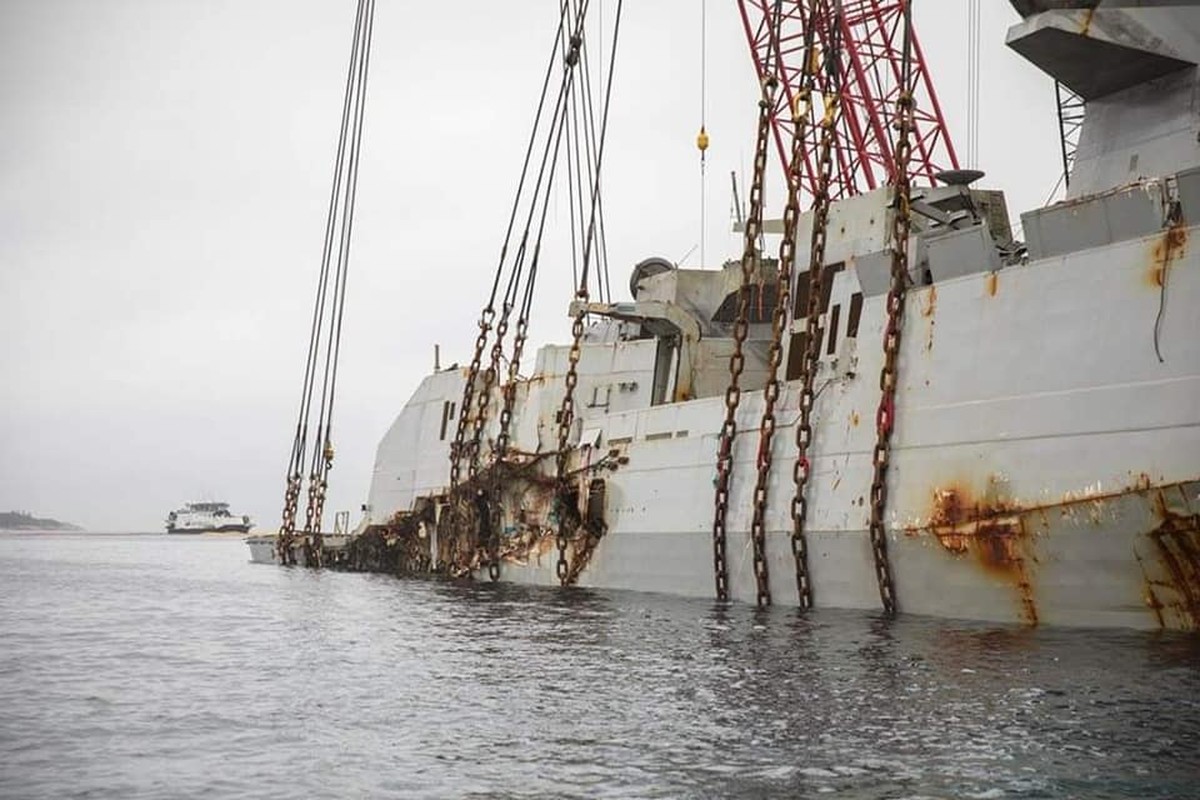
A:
(163, 182)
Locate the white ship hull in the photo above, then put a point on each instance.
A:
(1044, 467)
(1045, 458)
(209, 528)
(263, 548)
(207, 517)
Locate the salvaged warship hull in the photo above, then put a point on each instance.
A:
(1045, 467)
(1045, 456)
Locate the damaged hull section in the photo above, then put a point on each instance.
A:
(1130, 558)
(1036, 479)
(1043, 464)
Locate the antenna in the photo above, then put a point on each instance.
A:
(738, 218)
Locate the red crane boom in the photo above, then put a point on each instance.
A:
(866, 40)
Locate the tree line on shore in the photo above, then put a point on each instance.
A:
(24, 521)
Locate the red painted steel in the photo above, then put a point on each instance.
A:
(867, 81)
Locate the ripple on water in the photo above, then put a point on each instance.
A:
(156, 667)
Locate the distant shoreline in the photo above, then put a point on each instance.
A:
(84, 532)
(24, 521)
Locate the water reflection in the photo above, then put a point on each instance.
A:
(131, 665)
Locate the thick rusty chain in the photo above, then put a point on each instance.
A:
(570, 60)
(566, 415)
(312, 524)
(737, 361)
(802, 468)
(885, 416)
(509, 393)
(287, 530)
(493, 544)
(317, 488)
(503, 439)
(457, 446)
(779, 320)
(483, 395)
(568, 518)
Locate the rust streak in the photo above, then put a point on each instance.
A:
(1166, 250)
(1177, 542)
(1151, 599)
(992, 531)
(993, 283)
(928, 308)
(999, 533)
(929, 302)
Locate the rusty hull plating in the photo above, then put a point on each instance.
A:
(1168, 249)
(1173, 581)
(1003, 539)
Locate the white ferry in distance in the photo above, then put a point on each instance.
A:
(206, 518)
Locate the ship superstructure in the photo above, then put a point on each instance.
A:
(1038, 420)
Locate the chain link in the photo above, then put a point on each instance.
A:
(503, 440)
(317, 488)
(287, 530)
(509, 394)
(484, 394)
(885, 419)
(566, 415)
(312, 525)
(802, 469)
(737, 363)
(787, 257)
(457, 447)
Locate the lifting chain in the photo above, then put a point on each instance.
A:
(568, 517)
(509, 394)
(287, 530)
(484, 394)
(457, 447)
(503, 439)
(737, 361)
(317, 487)
(329, 308)
(483, 398)
(493, 544)
(460, 449)
(566, 415)
(787, 257)
(802, 468)
(885, 416)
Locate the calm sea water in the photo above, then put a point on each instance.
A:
(155, 666)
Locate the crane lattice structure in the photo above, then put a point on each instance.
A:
(867, 37)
